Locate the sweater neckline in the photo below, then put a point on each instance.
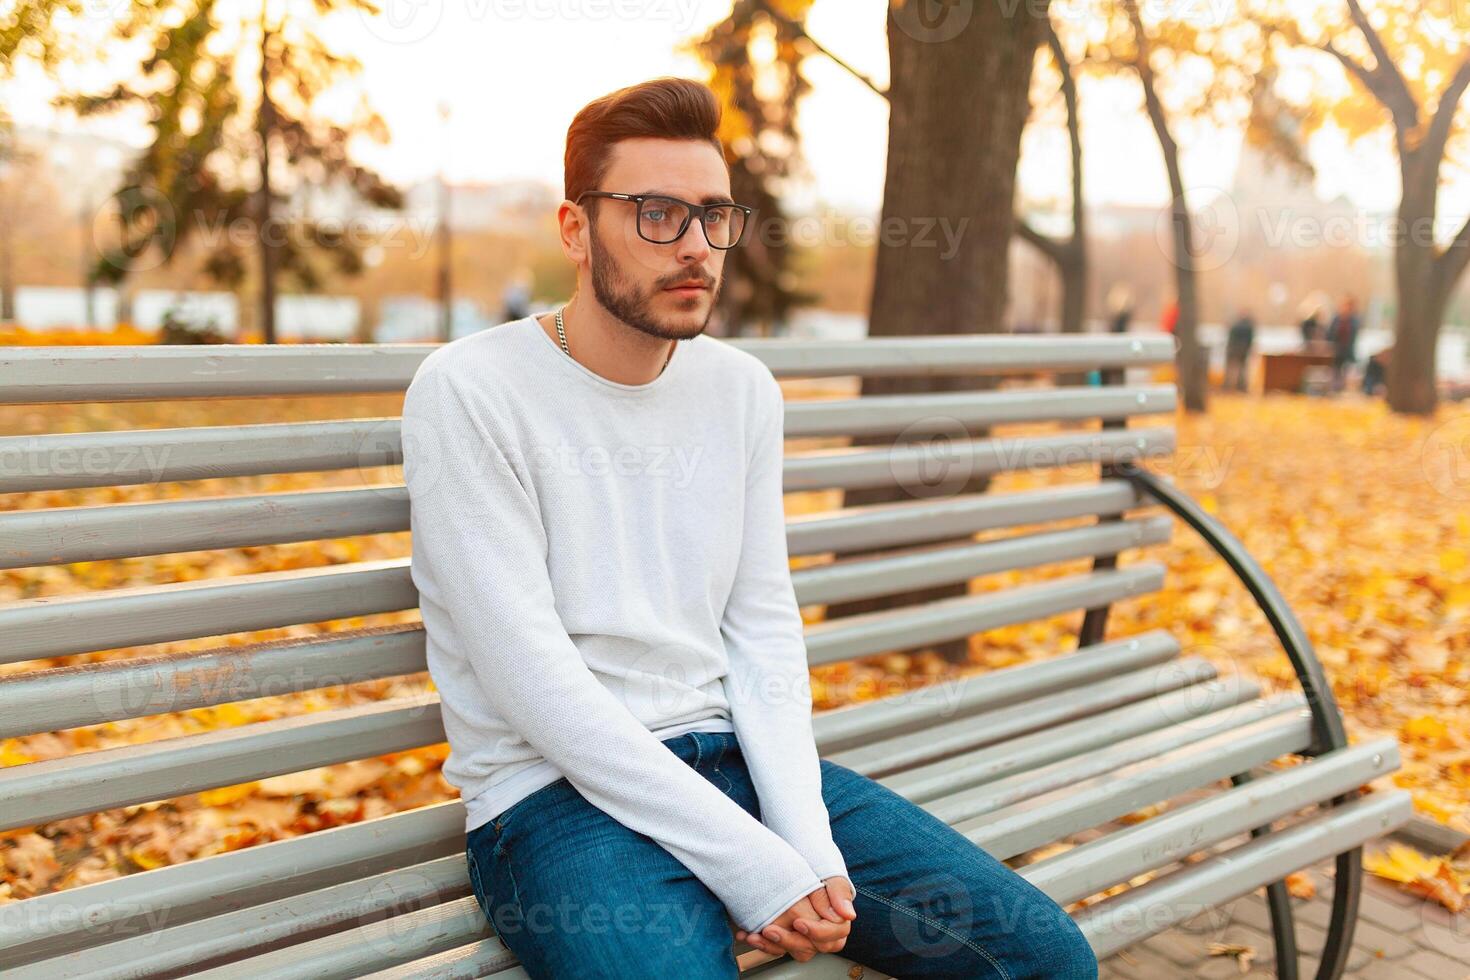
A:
(576, 366)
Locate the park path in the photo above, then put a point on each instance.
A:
(1399, 937)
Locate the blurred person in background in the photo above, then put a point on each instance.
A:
(1238, 343)
(1342, 334)
(1120, 308)
(1311, 318)
(1170, 317)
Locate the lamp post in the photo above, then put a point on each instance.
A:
(446, 256)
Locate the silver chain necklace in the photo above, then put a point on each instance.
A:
(561, 335)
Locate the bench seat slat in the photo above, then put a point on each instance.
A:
(1086, 803)
(1156, 905)
(342, 909)
(1110, 926)
(898, 714)
(1133, 733)
(423, 932)
(52, 924)
(43, 925)
(1169, 837)
(483, 958)
(955, 735)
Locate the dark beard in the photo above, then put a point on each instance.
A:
(623, 300)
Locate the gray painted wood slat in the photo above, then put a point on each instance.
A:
(102, 459)
(89, 694)
(34, 375)
(1154, 906)
(62, 625)
(62, 535)
(181, 893)
(57, 788)
(350, 903)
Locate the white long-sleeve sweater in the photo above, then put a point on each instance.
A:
(602, 566)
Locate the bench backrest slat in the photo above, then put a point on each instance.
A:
(36, 375)
(924, 539)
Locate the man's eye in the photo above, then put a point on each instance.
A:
(714, 218)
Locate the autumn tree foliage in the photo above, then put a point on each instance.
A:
(231, 92)
(1406, 66)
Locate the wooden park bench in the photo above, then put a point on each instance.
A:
(1016, 758)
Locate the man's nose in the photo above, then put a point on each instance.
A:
(693, 246)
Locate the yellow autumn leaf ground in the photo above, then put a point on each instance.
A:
(1361, 517)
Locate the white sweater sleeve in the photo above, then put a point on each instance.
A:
(769, 685)
(479, 531)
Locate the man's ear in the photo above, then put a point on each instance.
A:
(575, 231)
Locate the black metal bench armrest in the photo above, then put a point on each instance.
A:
(1328, 732)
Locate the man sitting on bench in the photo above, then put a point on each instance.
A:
(599, 547)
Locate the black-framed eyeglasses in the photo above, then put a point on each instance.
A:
(663, 219)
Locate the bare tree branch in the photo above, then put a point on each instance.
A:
(1392, 90)
(1074, 125)
(1444, 114)
(1043, 243)
(1451, 263)
(800, 29)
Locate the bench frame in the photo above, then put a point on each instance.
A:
(1328, 732)
(136, 374)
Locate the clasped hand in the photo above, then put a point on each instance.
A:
(819, 923)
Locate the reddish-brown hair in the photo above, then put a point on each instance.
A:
(661, 108)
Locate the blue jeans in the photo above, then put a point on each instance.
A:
(573, 893)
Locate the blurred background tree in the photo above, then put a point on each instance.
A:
(755, 57)
(1408, 66)
(231, 93)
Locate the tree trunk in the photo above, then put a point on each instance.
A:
(7, 268)
(265, 126)
(1191, 371)
(948, 204)
(1410, 376)
(1072, 258)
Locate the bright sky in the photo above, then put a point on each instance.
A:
(514, 72)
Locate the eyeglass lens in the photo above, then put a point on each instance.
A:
(663, 220)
